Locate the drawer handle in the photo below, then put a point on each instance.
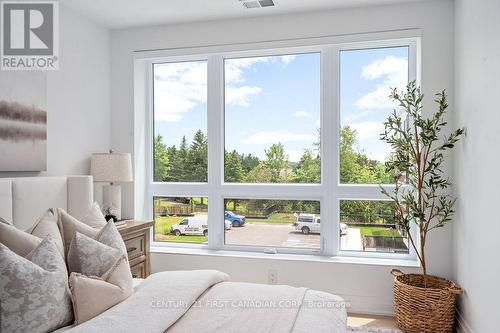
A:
(131, 249)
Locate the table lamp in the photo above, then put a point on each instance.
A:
(111, 168)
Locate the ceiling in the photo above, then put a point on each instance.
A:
(116, 14)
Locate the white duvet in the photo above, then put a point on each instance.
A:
(206, 301)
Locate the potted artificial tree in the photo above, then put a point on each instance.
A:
(423, 302)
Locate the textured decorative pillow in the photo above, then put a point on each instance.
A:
(100, 274)
(69, 225)
(34, 290)
(95, 254)
(23, 242)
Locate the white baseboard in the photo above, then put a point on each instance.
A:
(369, 305)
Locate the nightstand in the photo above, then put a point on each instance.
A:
(136, 236)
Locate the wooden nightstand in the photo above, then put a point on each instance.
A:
(136, 237)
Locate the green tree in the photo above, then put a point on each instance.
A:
(260, 174)
(180, 172)
(197, 159)
(233, 170)
(308, 169)
(161, 160)
(249, 162)
(277, 161)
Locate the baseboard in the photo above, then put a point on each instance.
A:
(462, 324)
(369, 305)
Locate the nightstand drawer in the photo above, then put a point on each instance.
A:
(136, 246)
(139, 270)
(135, 235)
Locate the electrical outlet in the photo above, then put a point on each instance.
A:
(272, 276)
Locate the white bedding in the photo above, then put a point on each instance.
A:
(205, 301)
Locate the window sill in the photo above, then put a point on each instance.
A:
(291, 257)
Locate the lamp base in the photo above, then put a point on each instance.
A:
(112, 198)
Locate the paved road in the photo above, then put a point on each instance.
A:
(271, 234)
(284, 235)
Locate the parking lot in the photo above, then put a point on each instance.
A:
(271, 234)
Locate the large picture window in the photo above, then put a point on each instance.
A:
(366, 77)
(180, 122)
(272, 119)
(283, 143)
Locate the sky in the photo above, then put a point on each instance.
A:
(277, 99)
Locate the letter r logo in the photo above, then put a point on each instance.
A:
(28, 28)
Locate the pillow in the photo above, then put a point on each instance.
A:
(91, 257)
(69, 225)
(94, 217)
(93, 295)
(100, 273)
(34, 290)
(23, 242)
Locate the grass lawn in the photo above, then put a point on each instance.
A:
(162, 231)
(379, 231)
(286, 218)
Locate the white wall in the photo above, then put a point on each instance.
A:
(78, 97)
(477, 225)
(371, 284)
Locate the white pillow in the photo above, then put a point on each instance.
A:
(23, 242)
(94, 217)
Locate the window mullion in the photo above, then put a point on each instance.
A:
(215, 104)
(329, 148)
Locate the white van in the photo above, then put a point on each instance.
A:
(194, 225)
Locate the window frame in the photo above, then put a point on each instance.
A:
(329, 192)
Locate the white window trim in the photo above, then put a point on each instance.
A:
(329, 192)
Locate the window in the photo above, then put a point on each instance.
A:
(272, 119)
(181, 219)
(272, 223)
(366, 77)
(180, 122)
(368, 225)
(283, 143)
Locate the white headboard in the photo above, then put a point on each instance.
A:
(24, 200)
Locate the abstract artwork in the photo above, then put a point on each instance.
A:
(23, 122)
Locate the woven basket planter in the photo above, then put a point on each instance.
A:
(424, 304)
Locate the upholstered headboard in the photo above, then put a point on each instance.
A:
(24, 200)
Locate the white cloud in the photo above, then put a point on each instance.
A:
(394, 71)
(294, 155)
(318, 122)
(233, 70)
(302, 114)
(286, 59)
(270, 137)
(241, 96)
(179, 87)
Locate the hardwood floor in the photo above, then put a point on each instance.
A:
(354, 319)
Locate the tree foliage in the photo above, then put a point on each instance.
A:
(188, 163)
(418, 153)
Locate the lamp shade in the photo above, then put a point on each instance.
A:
(111, 167)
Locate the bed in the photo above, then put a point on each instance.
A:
(177, 301)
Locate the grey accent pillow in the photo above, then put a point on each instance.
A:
(69, 225)
(34, 290)
(100, 273)
(92, 256)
